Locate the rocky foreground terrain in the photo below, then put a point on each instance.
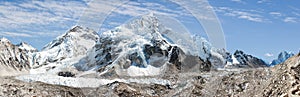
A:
(282, 80)
(10, 87)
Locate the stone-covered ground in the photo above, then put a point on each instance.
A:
(282, 80)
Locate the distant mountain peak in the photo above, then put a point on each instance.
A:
(241, 59)
(74, 43)
(143, 22)
(25, 46)
(80, 29)
(75, 33)
(284, 55)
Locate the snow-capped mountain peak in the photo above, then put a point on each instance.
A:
(145, 43)
(140, 47)
(25, 46)
(74, 33)
(128, 41)
(14, 61)
(72, 45)
(240, 59)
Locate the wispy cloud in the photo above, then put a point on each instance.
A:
(14, 34)
(296, 13)
(29, 15)
(269, 55)
(134, 8)
(290, 20)
(276, 14)
(130, 9)
(263, 1)
(242, 14)
(251, 18)
(236, 0)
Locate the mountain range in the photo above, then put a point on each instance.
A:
(142, 43)
(142, 47)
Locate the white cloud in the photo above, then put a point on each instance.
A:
(250, 18)
(46, 15)
(242, 14)
(269, 55)
(40, 12)
(131, 9)
(135, 9)
(236, 0)
(276, 14)
(263, 1)
(290, 20)
(53, 16)
(13, 34)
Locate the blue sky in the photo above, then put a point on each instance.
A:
(259, 27)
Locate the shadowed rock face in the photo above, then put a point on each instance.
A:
(188, 63)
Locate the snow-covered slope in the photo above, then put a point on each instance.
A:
(13, 61)
(66, 49)
(281, 58)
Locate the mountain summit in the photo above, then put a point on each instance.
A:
(25, 46)
(13, 60)
(281, 58)
(66, 49)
